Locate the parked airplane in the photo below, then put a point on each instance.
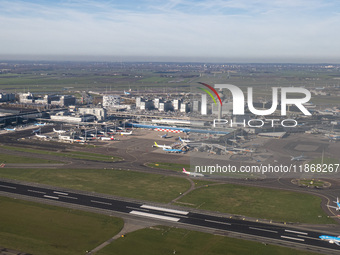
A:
(36, 131)
(298, 158)
(331, 239)
(126, 93)
(162, 146)
(59, 131)
(172, 150)
(333, 137)
(40, 124)
(192, 173)
(10, 129)
(41, 136)
(125, 133)
(108, 138)
(337, 207)
(184, 140)
(2, 165)
(165, 135)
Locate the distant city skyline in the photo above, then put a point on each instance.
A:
(303, 31)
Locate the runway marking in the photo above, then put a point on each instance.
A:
(219, 222)
(293, 238)
(10, 187)
(36, 191)
(68, 197)
(60, 193)
(171, 214)
(155, 216)
(296, 232)
(51, 197)
(309, 237)
(100, 202)
(134, 208)
(267, 230)
(163, 209)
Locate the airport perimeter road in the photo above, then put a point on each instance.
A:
(176, 217)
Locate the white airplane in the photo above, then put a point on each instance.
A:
(125, 133)
(337, 207)
(10, 129)
(163, 146)
(192, 173)
(184, 140)
(331, 239)
(41, 136)
(65, 137)
(298, 158)
(108, 138)
(59, 131)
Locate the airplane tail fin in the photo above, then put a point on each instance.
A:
(180, 139)
(156, 144)
(184, 171)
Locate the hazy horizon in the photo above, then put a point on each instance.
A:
(86, 58)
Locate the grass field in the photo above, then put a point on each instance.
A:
(261, 203)
(167, 240)
(68, 154)
(7, 158)
(42, 229)
(152, 187)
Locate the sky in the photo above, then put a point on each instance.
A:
(185, 30)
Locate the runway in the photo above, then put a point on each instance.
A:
(176, 217)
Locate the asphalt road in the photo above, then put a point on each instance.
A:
(175, 216)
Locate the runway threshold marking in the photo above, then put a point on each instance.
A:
(155, 216)
(296, 232)
(10, 187)
(293, 238)
(36, 191)
(219, 222)
(60, 193)
(172, 214)
(164, 209)
(261, 229)
(51, 197)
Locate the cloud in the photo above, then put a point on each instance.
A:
(187, 28)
